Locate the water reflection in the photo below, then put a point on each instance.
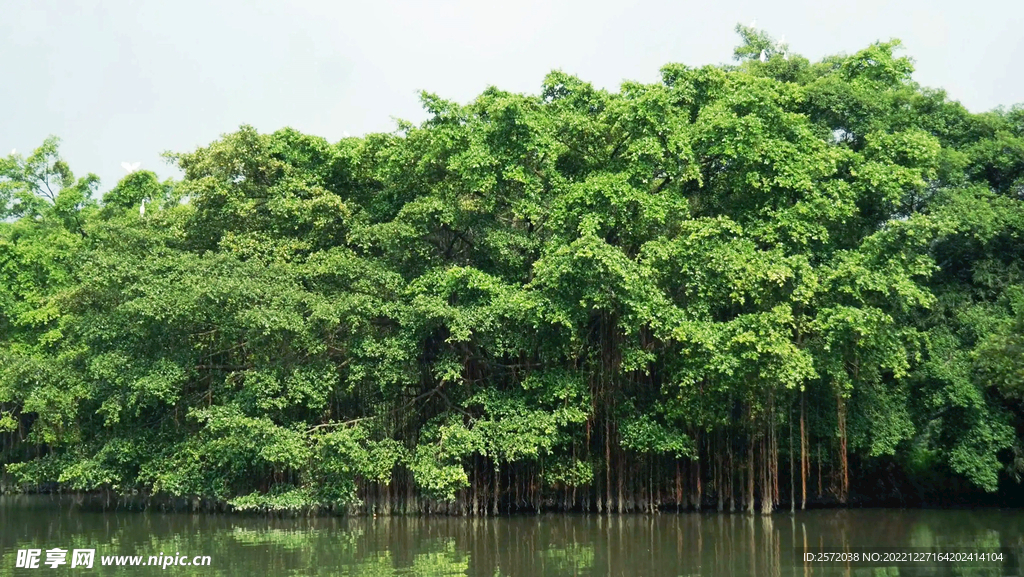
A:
(547, 545)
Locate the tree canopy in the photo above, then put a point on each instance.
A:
(680, 294)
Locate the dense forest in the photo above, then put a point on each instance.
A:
(766, 285)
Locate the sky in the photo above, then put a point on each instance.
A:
(124, 80)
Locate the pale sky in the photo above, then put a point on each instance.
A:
(123, 80)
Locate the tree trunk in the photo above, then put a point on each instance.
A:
(719, 493)
(679, 487)
(607, 467)
(767, 498)
(696, 477)
(844, 480)
(476, 488)
(497, 490)
(804, 464)
(732, 478)
(750, 474)
(819, 471)
(792, 472)
(774, 460)
(620, 504)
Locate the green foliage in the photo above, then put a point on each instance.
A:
(527, 291)
(644, 435)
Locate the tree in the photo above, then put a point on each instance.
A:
(579, 299)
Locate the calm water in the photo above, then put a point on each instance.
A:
(661, 545)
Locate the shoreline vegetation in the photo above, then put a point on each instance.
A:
(754, 287)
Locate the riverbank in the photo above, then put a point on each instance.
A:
(143, 501)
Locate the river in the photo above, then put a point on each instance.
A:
(665, 544)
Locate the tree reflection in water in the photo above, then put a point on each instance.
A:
(546, 545)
